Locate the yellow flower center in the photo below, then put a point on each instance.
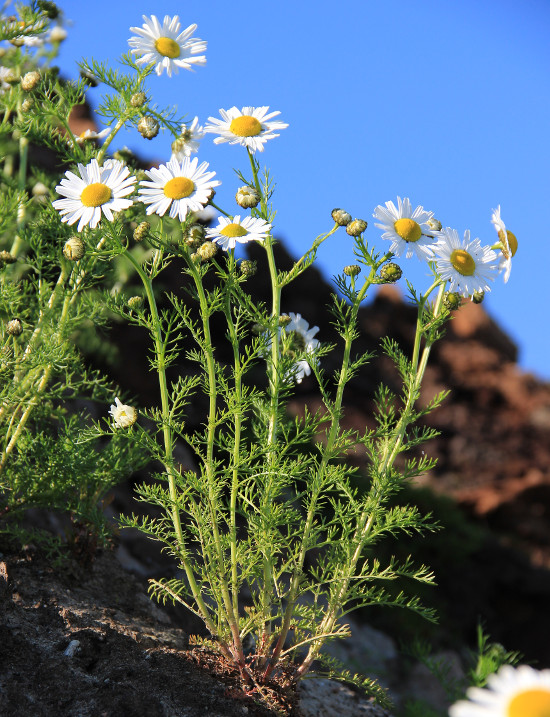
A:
(408, 229)
(245, 126)
(233, 230)
(512, 242)
(463, 262)
(96, 194)
(530, 703)
(167, 47)
(178, 188)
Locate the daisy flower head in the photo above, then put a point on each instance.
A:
(231, 232)
(508, 243)
(464, 262)
(250, 127)
(188, 141)
(98, 191)
(182, 187)
(511, 692)
(91, 134)
(165, 46)
(124, 416)
(408, 230)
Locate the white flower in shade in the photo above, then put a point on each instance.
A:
(188, 141)
(408, 230)
(181, 187)
(231, 232)
(124, 416)
(511, 692)
(166, 46)
(91, 134)
(508, 243)
(98, 190)
(250, 127)
(467, 265)
(296, 341)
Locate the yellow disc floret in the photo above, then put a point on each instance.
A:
(245, 126)
(408, 229)
(233, 230)
(463, 262)
(167, 47)
(178, 188)
(96, 194)
(530, 703)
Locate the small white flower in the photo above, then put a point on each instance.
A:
(5, 74)
(465, 263)
(229, 232)
(91, 134)
(511, 692)
(297, 340)
(250, 127)
(508, 244)
(124, 416)
(166, 46)
(408, 230)
(188, 141)
(181, 187)
(98, 190)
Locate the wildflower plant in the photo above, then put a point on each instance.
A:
(274, 543)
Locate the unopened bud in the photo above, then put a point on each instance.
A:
(7, 258)
(434, 224)
(196, 258)
(352, 270)
(452, 300)
(124, 155)
(247, 197)
(48, 8)
(390, 273)
(74, 249)
(478, 296)
(248, 267)
(194, 236)
(284, 320)
(356, 227)
(148, 127)
(141, 231)
(14, 327)
(40, 190)
(341, 217)
(30, 80)
(27, 105)
(135, 302)
(138, 99)
(207, 250)
(58, 34)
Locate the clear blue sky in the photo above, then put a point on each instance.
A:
(446, 102)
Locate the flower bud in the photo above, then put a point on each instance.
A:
(247, 197)
(478, 296)
(452, 300)
(74, 249)
(341, 217)
(58, 34)
(135, 302)
(7, 258)
(40, 190)
(194, 236)
(138, 99)
(27, 105)
(148, 127)
(434, 224)
(124, 155)
(248, 267)
(48, 8)
(207, 250)
(91, 80)
(14, 327)
(356, 227)
(196, 258)
(124, 416)
(141, 231)
(30, 80)
(390, 273)
(284, 320)
(352, 270)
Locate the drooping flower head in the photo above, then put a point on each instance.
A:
(511, 692)
(250, 127)
(124, 416)
(166, 46)
(98, 190)
(188, 141)
(231, 232)
(408, 230)
(467, 265)
(181, 187)
(508, 243)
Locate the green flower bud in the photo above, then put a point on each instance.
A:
(30, 80)
(207, 250)
(14, 327)
(284, 320)
(27, 105)
(390, 273)
(141, 231)
(434, 224)
(478, 296)
(148, 127)
(124, 155)
(248, 267)
(138, 99)
(74, 249)
(352, 270)
(356, 227)
(452, 300)
(247, 197)
(341, 217)
(194, 235)
(135, 302)
(48, 8)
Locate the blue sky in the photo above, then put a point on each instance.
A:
(446, 102)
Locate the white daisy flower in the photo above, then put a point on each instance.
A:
(508, 244)
(250, 127)
(408, 230)
(124, 416)
(91, 134)
(188, 141)
(511, 692)
(166, 46)
(98, 190)
(464, 262)
(181, 187)
(5, 74)
(296, 340)
(229, 232)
